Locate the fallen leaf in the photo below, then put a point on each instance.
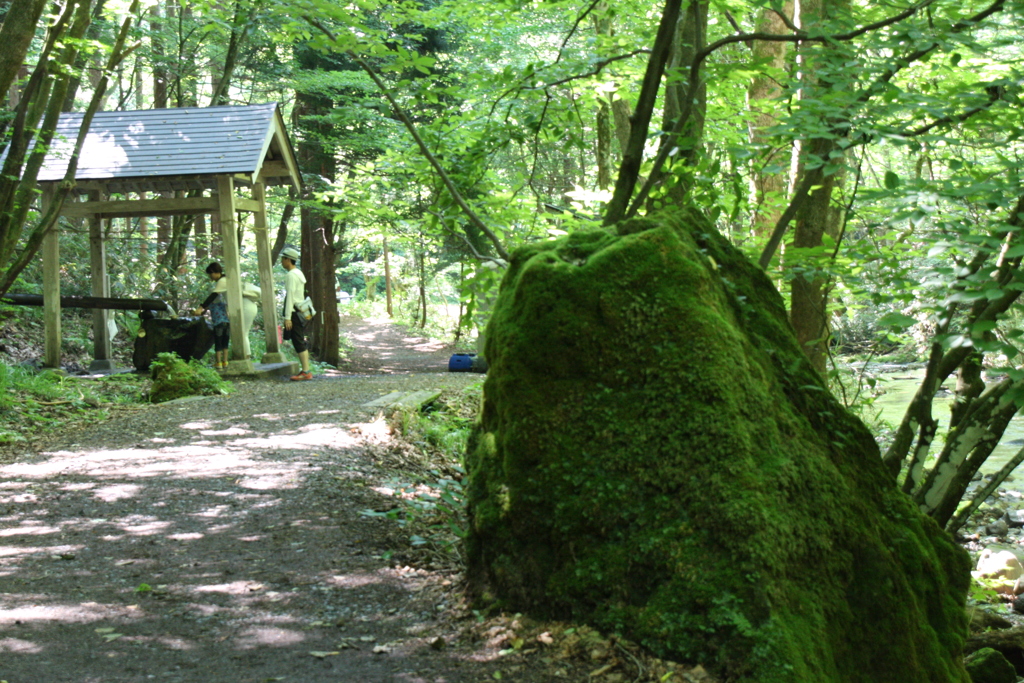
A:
(112, 636)
(320, 655)
(381, 649)
(368, 639)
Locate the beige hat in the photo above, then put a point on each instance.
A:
(290, 252)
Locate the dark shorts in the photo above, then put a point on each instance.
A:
(298, 332)
(221, 336)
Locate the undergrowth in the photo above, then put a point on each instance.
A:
(33, 403)
(431, 503)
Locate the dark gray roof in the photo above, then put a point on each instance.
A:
(164, 142)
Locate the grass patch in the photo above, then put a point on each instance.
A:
(431, 504)
(34, 403)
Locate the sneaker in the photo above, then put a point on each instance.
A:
(301, 376)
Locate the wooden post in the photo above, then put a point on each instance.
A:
(387, 277)
(100, 288)
(51, 285)
(232, 267)
(266, 267)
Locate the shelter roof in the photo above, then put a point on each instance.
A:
(175, 149)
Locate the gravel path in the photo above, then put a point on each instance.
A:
(220, 539)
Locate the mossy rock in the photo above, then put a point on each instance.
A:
(174, 378)
(990, 666)
(656, 457)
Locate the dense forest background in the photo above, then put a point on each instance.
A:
(867, 155)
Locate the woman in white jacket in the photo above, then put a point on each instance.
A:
(294, 321)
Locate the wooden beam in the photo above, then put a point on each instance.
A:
(51, 286)
(232, 267)
(266, 267)
(287, 153)
(164, 206)
(274, 168)
(108, 303)
(100, 286)
(245, 204)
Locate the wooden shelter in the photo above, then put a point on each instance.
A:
(228, 154)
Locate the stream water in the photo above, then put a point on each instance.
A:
(899, 389)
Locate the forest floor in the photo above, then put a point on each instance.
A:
(222, 540)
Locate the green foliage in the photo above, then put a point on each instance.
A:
(174, 378)
(34, 403)
(983, 590)
(431, 502)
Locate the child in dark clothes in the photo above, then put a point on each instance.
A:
(217, 305)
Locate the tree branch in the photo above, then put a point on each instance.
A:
(598, 68)
(632, 156)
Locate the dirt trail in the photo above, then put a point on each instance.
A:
(220, 540)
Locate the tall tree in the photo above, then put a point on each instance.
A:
(823, 159)
(16, 34)
(765, 93)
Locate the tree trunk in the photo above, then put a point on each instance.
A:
(202, 239)
(281, 238)
(16, 34)
(156, 41)
(21, 192)
(603, 27)
(422, 256)
(317, 227)
(96, 27)
(809, 296)
(43, 99)
(633, 153)
(245, 15)
(318, 262)
(387, 279)
(690, 37)
(770, 177)
(604, 144)
(817, 216)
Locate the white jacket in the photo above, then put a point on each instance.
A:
(294, 291)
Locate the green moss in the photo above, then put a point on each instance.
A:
(655, 456)
(990, 666)
(174, 378)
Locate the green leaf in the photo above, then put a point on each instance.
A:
(897, 320)
(983, 326)
(892, 181)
